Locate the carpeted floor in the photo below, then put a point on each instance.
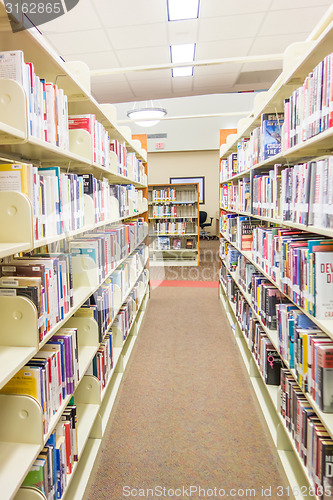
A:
(208, 270)
(185, 413)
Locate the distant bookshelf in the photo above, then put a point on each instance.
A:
(173, 224)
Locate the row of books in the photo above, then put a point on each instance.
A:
(49, 121)
(49, 471)
(308, 111)
(312, 441)
(46, 103)
(239, 229)
(301, 193)
(58, 198)
(100, 305)
(172, 194)
(47, 279)
(300, 263)
(171, 211)
(300, 342)
(103, 361)
(99, 137)
(103, 246)
(309, 352)
(127, 163)
(236, 196)
(167, 243)
(263, 143)
(176, 227)
(51, 375)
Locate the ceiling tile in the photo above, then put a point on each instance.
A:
(96, 60)
(275, 44)
(134, 76)
(101, 83)
(115, 13)
(262, 66)
(229, 27)
(214, 8)
(223, 48)
(218, 69)
(149, 85)
(298, 4)
(79, 42)
(183, 31)
(182, 84)
(146, 56)
(127, 37)
(213, 80)
(82, 17)
(280, 22)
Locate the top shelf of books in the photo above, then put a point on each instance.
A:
(301, 66)
(73, 78)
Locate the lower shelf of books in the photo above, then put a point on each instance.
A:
(76, 488)
(268, 397)
(94, 404)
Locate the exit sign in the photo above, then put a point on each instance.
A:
(159, 145)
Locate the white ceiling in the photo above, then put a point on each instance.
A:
(115, 34)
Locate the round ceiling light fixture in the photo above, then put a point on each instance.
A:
(146, 116)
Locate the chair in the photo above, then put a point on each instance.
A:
(203, 224)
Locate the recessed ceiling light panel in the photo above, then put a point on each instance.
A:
(180, 10)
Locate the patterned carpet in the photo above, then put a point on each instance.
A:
(186, 413)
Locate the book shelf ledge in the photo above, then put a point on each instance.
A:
(16, 228)
(29, 494)
(20, 439)
(173, 234)
(83, 470)
(325, 325)
(12, 359)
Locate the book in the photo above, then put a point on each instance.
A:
(189, 243)
(176, 244)
(163, 243)
(325, 377)
(323, 269)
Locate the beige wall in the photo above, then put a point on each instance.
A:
(162, 166)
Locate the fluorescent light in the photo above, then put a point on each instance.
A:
(183, 9)
(182, 53)
(187, 71)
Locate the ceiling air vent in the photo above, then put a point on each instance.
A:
(157, 136)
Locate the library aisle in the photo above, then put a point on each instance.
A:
(186, 414)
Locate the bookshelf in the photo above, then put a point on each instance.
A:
(22, 435)
(173, 216)
(240, 177)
